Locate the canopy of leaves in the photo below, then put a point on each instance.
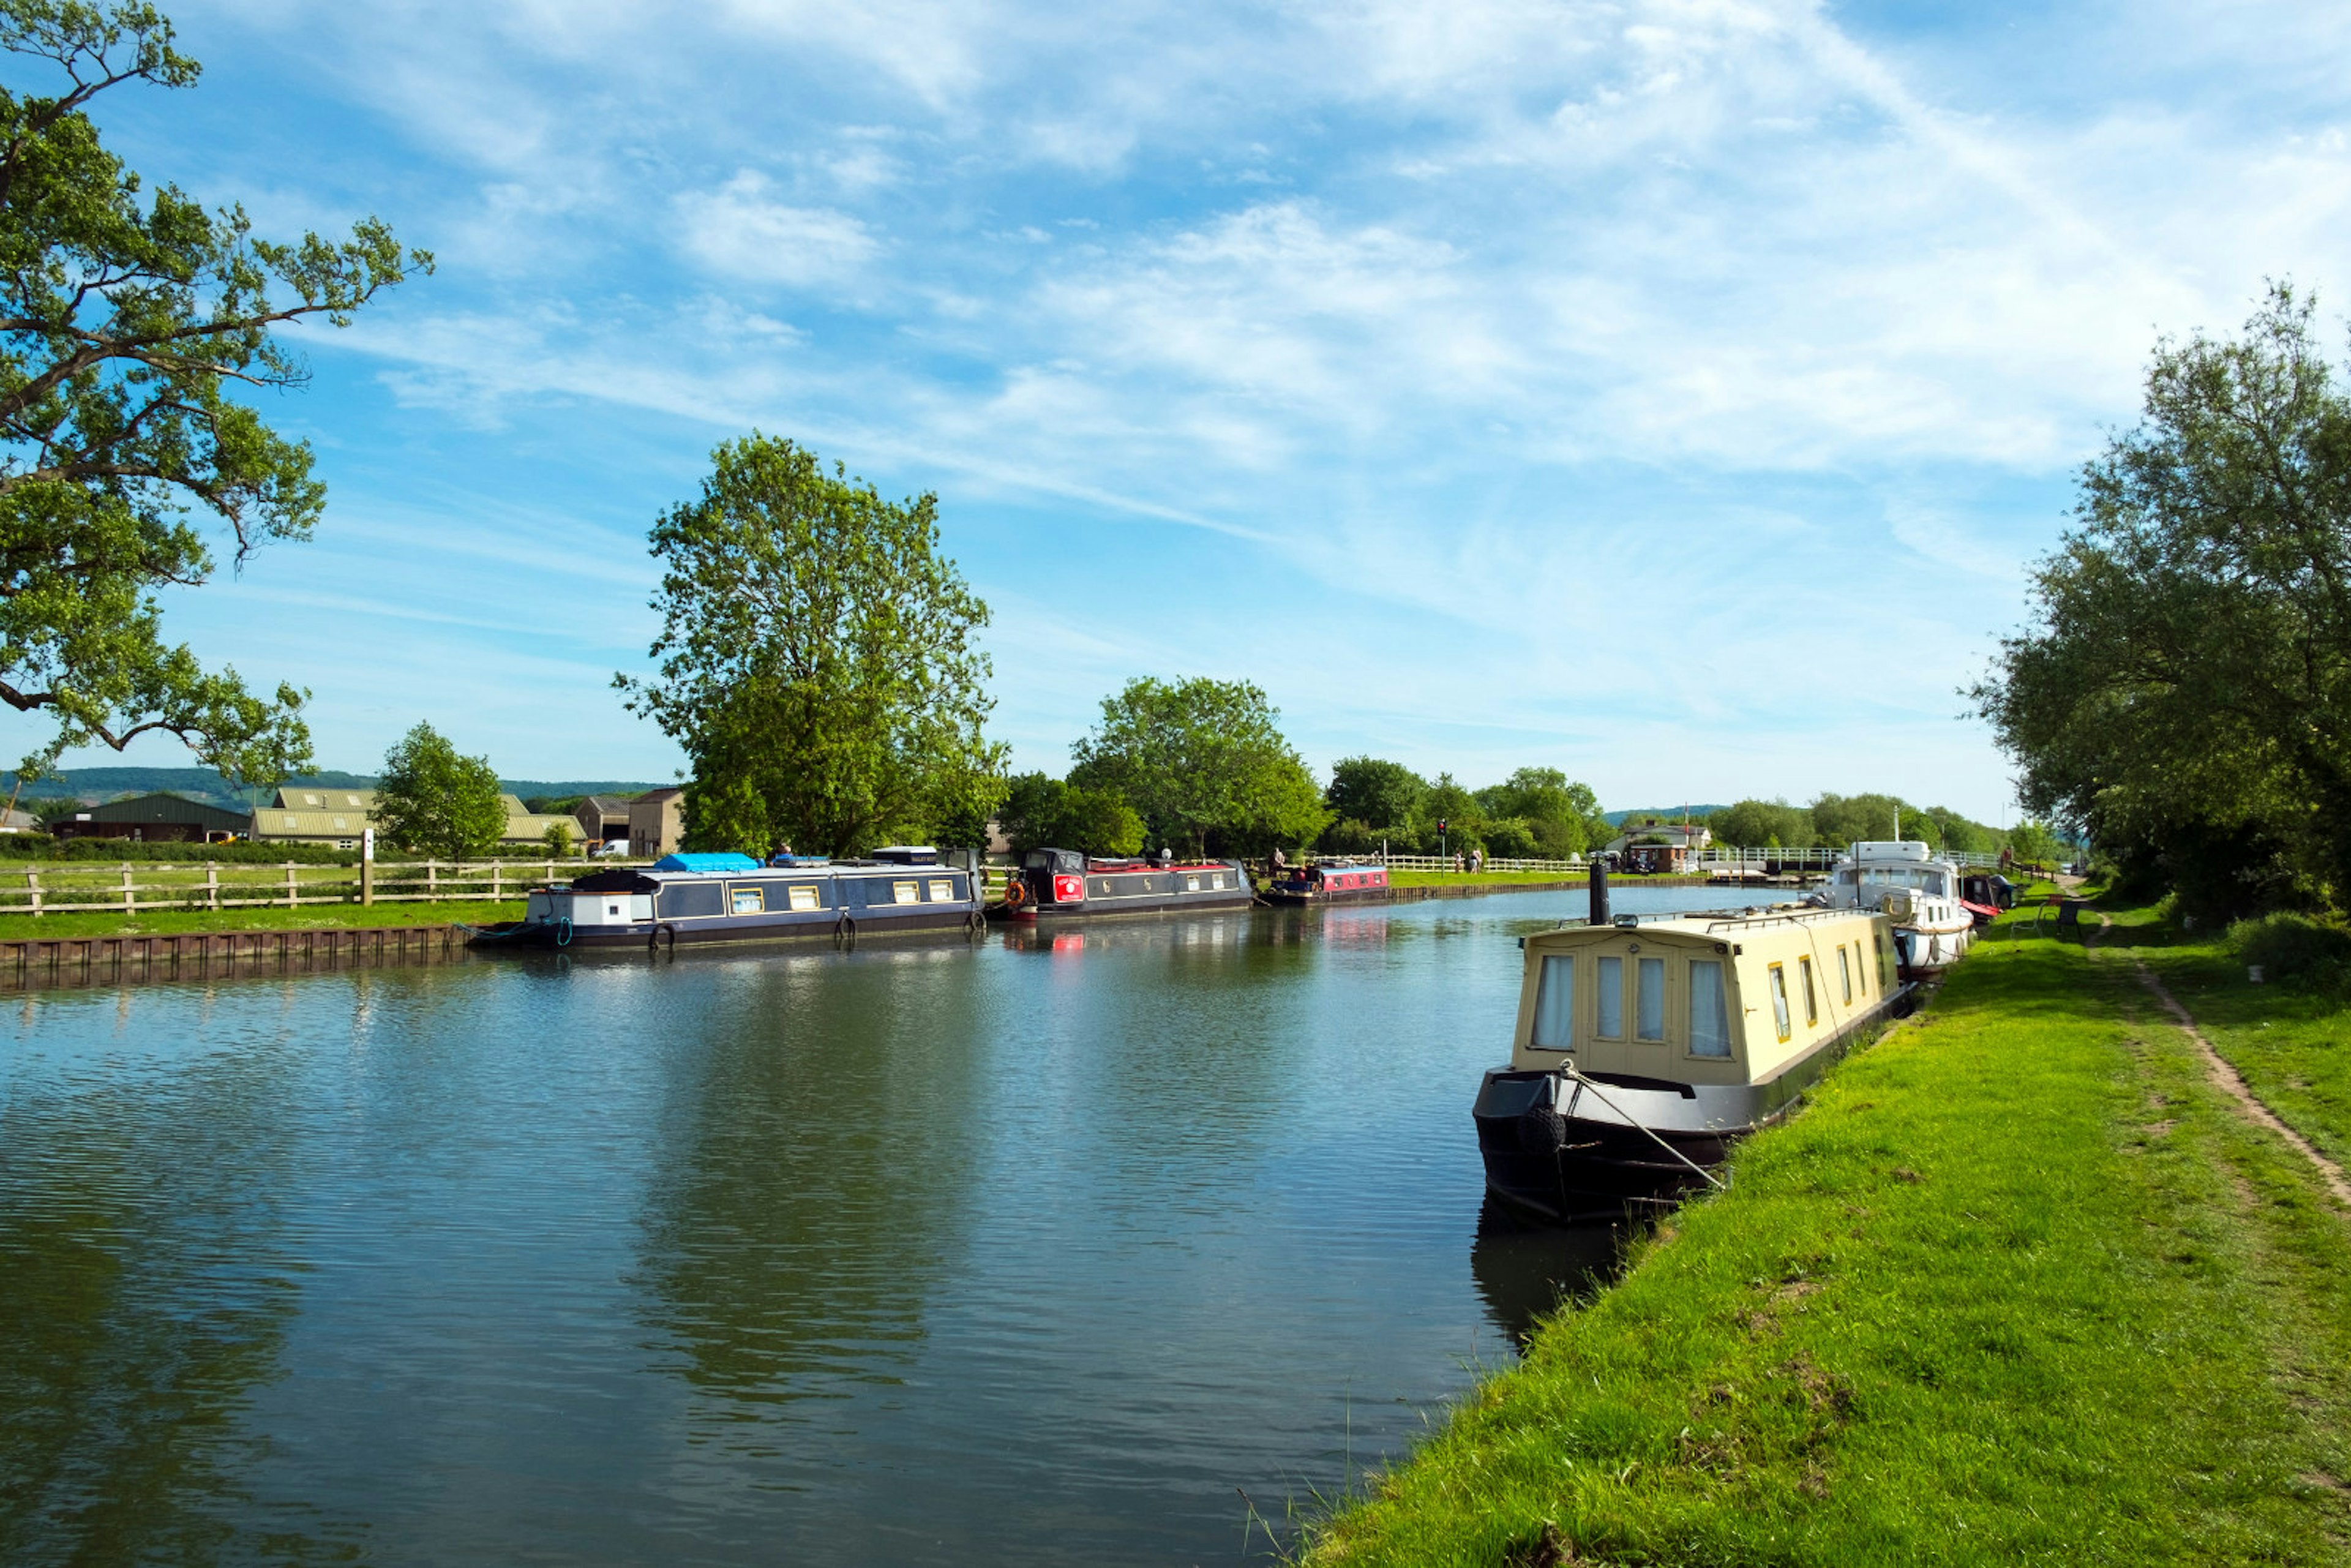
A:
(125, 320)
(2183, 691)
(1204, 763)
(1558, 819)
(433, 801)
(817, 661)
(1041, 812)
(1381, 794)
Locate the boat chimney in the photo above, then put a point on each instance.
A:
(1599, 890)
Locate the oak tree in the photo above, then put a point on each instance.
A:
(817, 660)
(129, 322)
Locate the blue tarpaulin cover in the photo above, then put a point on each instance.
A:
(707, 862)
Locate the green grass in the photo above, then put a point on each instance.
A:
(160, 922)
(2290, 1043)
(2017, 1286)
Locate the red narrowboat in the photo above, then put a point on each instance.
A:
(1333, 881)
(1059, 884)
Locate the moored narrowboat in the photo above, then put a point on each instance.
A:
(1063, 885)
(707, 898)
(1645, 1048)
(1329, 882)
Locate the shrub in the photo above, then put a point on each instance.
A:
(2291, 947)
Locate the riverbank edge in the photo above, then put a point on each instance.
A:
(2016, 1286)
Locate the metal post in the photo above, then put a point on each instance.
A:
(367, 867)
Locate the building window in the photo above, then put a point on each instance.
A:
(1649, 1008)
(1555, 1005)
(1780, 1002)
(1812, 1003)
(1611, 1024)
(1709, 1020)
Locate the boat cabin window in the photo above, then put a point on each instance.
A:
(1649, 1019)
(905, 892)
(1555, 1005)
(1709, 1018)
(747, 901)
(1877, 945)
(1191, 884)
(1217, 880)
(942, 891)
(805, 896)
(1844, 972)
(1862, 964)
(685, 899)
(1780, 1002)
(1610, 1025)
(1811, 1005)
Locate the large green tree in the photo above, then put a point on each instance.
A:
(1041, 811)
(1373, 790)
(1763, 824)
(1204, 763)
(435, 799)
(130, 323)
(818, 661)
(2183, 689)
(1561, 818)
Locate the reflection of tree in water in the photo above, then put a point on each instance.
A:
(819, 1154)
(142, 1305)
(1526, 1271)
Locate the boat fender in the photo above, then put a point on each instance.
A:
(563, 932)
(1542, 1130)
(845, 929)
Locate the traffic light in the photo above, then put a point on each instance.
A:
(1440, 824)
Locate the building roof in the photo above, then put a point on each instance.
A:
(178, 809)
(611, 805)
(529, 827)
(656, 797)
(271, 823)
(321, 798)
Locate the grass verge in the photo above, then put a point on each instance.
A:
(307, 917)
(2018, 1287)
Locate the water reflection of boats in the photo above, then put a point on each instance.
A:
(1645, 1048)
(1524, 1272)
(703, 898)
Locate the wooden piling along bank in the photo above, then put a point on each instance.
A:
(38, 962)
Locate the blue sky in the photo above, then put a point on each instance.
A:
(1673, 394)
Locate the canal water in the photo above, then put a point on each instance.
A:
(1133, 1244)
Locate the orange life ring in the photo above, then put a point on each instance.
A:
(1016, 894)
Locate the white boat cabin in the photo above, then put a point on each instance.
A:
(1705, 1000)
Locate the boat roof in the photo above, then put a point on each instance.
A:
(1700, 926)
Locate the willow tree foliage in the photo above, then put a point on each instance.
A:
(436, 800)
(128, 321)
(817, 660)
(1204, 763)
(2183, 690)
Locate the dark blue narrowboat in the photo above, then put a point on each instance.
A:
(686, 899)
(1331, 881)
(1063, 885)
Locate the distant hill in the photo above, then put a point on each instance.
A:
(204, 784)
(1663, 814)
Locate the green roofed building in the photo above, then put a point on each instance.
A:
(155, 819)
(318, 814)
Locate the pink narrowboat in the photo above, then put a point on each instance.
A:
(1333, 881)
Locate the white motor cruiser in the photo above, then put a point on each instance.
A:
(1918, 890)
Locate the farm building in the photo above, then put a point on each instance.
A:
(657, 822)
(155, 819)
(603, 817)
(336, 816)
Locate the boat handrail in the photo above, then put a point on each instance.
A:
(1793, 916)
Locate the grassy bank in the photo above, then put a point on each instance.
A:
(309, 916)
(2018, 1287)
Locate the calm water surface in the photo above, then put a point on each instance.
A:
(1036, 1250)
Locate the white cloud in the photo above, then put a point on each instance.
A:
(740, 230)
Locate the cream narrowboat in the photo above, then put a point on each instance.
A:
(1643, 1048)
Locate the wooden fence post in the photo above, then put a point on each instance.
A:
(211, 885)
(497, 872)
(293, 898)
(33, 881)
(129, 901)
(433, 881)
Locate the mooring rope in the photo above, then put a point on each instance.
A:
(1638, 1127)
